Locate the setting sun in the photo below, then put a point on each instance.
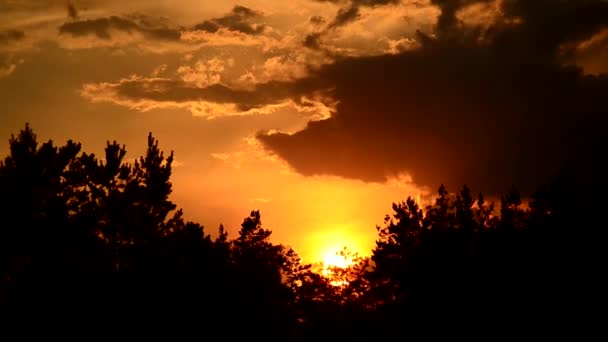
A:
(333, 265)
(328, 245)
(336, 259)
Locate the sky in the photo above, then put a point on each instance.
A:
(319, 113)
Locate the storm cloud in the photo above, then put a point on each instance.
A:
(488, 108)
(485, 99)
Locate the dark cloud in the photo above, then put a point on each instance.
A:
(592, 54)
(11, 36)
(157, 92)
(487, 110)
(349, 12)
(239, 19)
(160, 90)
(447, 19)
(317, 20)
(312, 41)
(72, 10)
(102, 27)
(344, 16)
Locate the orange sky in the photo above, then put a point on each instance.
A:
(205, 78)
(221, 172)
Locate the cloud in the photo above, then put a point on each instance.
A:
(400, 45)
(485, 93)
(317, 20)
(204, 72)
(592, 54)
(250, 152)
(350, 11)
(12, 42)
(72, 10)
(345, 15)
(487, 107)
(203, 88)
(241, 26)
(226, 37)
(312, 40)
(8, 64)
(375, 30)
(240, 19)
(209, 100)
(103, 28)
(11, 36)
(285, 65)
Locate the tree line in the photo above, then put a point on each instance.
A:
(96, 243)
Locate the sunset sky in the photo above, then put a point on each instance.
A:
(319, 113)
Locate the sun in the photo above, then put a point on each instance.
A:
(336, 264)
(328, 244)
(336, 259)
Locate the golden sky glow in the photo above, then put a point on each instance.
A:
(220, 172)
(317, 216)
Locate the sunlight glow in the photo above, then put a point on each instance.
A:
(335, 259)
(335, 267)
(336, 249)
(329, 242)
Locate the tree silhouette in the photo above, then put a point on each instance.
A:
(262, 273)
(36, 236)
(101, 239)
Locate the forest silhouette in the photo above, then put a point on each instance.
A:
(94, 242)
